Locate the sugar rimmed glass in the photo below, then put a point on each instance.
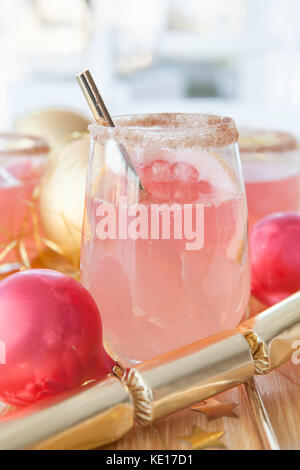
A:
(168, 265)
(270, 161)
(22, 163)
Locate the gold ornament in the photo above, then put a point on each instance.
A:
(201, 440)
(214, 409)
(62, 194)
(51, 123)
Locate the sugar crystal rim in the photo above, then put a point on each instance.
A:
(262, 140)
(172, 130)
(22, 144)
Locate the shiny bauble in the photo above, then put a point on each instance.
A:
(50, 337)
(275, 257)
(62, 194)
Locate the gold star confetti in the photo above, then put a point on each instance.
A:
(215, 409)
(202, 440)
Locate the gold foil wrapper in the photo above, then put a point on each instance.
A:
(104, 412)
(93, 417)
(182, 378)
(273, 334)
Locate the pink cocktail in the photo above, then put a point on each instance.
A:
(271, 170)
(22, 162)
(167, 265)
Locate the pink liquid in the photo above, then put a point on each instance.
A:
(270, 191)
(17, 182)
(155, 295)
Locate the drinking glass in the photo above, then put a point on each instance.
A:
(22, 162)
(270, 163)
(167, 263)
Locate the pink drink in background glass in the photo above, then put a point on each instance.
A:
(156, 294)
(271, 171)
(22, 162)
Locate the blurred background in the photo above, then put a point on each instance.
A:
(233, 57)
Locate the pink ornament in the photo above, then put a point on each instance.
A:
(50, 337)
(275, 256)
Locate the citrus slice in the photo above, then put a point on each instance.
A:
(200, 177)
(181, 171)
(238, 244)
(205, 172)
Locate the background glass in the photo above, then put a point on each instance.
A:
(270, 163)
(22, 163)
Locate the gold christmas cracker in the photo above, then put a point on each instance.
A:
(103, 412)
(273, 334)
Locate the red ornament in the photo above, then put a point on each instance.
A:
(275, 257)
(50, 337)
